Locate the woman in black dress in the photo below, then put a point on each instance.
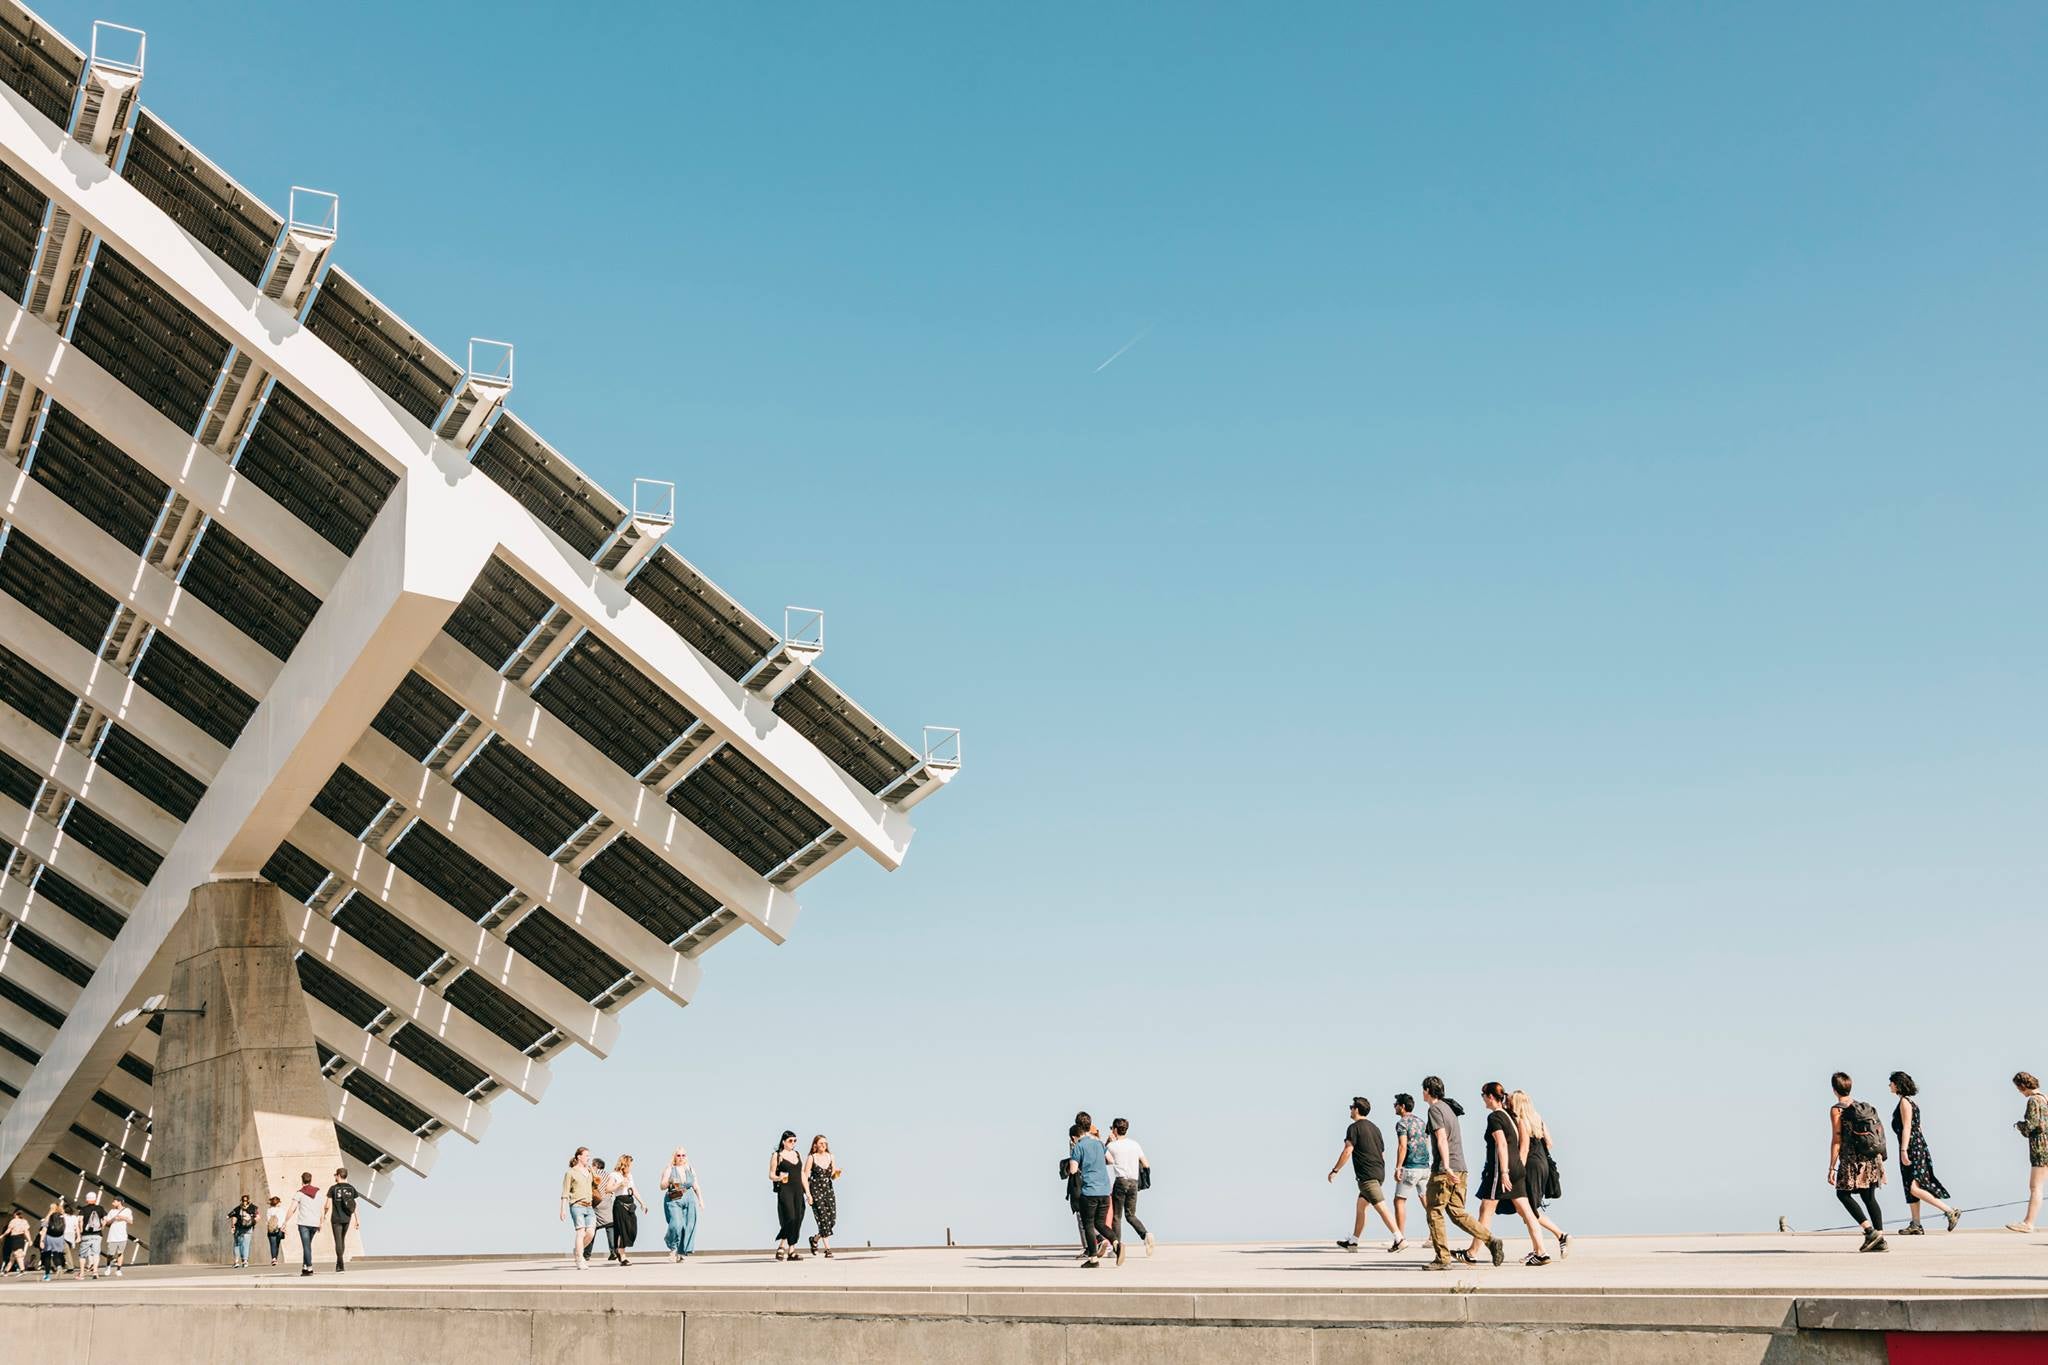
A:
(786, 1173)
(1916, 1163)
(1504, 1181)
(1536, 1163)
(820, 1174)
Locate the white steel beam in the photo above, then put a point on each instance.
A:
(18, 1024)
(51, 987)
(637, 809)
(72, 771)
(84, 674)
(428, 795)
(103, 1167)
(406, 578)
(352, 1112)
(22, 902)
(118, 571)
(326, 942)
(346, 1039)
(453, 932)
(46, 843)
(29, 345)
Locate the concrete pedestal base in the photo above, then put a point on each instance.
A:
(241, 1107)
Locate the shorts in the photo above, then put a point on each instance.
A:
(115, 1246)
(1369, 1190)
(89, 1246)
(1410, 1182)
(582, 1216)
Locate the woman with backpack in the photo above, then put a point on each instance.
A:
(1856, 1160)
(1916, 1162)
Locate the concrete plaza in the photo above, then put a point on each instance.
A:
(1805, 1297)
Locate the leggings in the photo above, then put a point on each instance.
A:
(1869, 1213)
(53, 1262)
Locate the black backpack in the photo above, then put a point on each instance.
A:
(343, 1196)
(1862, 1132)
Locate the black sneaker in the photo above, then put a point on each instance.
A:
(1497, 1249)
(1399, 1242)
(1348, 1244)
(1876, 1244)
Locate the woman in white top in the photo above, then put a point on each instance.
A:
(274, 1226)
(627, 1206)
(682, 1198)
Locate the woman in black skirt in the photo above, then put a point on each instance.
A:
(627, 1206)
(1504, 1181)
(1916, 1163)
(786, 1174)
(1536, 1163)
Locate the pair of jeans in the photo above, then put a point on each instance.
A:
(242, 1246)
(1123, 1206)
(276, 1236)
(307, 1231)
(681, 1213)
(1094, 1217)
(1443, 1197)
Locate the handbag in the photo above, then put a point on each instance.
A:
(1145, 1177)
(1553, 1187)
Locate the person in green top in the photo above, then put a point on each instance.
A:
(579, 1207)
(2033, 1126)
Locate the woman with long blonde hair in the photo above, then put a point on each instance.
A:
(627, 1206)
(681, 1199)
(1535, 1141)
(820, 1172)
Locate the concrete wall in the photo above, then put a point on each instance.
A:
(100, 1327)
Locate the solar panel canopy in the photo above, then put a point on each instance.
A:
(287, 592)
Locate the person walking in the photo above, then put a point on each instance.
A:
(627, 1206)
(342, 1215)
(1089, 1160)
(603, 1187)
(304, 1212)
(1444, 1195)
(681, 1200)
(53, 1241)
(1504, 1181)
(786, 1176)
(1542, 1174)
(579, 1207)
(120, 1226)
(1072, 1177)
(92, 1226)
(241, 1224)
(821, 1176)
(273, 1226)
(1916, 1162)
(1127, 1168)
(1366, 1149)
(71, 1221)
(1856, 1159)
(2033, 1126)
(14, 1244)
(1411, 1164)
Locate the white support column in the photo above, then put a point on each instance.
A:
(346, 1040)
(530, 727)
(407, 577)
(454, 933)
(435, 801)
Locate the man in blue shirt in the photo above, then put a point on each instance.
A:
(1089, 1160)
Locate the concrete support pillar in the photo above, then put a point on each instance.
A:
(241, 1106)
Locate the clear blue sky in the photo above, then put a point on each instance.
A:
(1556, 595)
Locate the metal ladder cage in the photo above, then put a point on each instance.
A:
(654, 501)
(123, 50)
(803, 628)
(313, 213)
(941, 746)
(489, 362)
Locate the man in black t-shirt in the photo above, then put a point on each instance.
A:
(1368, 1153)
(341, 1215)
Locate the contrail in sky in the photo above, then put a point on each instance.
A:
(1125, 347)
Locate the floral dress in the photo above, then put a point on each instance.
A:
(824, 1199)
(1916, 1163)
(2035, 1126)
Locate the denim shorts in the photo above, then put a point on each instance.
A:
(582, 1216)
(1408, 1185)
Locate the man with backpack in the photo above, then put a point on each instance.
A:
(341, 1214)
(1856, 1160)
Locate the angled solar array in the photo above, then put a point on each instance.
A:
(595, 766)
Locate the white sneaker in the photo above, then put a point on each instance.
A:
(1150, 1246)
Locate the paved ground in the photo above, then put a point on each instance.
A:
(1975, 1263)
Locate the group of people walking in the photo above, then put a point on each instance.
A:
(596, 1200)
(306, 1210)
(1857, 1156)
(1103, 1180)
(80, 1239)
(1519, 1174)
(804, 1180)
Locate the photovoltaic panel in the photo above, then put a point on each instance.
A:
(385, 1100)
(38, 63)
(9, 1043)
(88, 827)
(623, 713)
(634, 878)
(50, 955)
(54, 590)
(350, 800)
(700, 612)
(319, 475)
(356, 1149)
(844, 732)
(422, 1048)
(251, 594)
(139, 1069)
(19, 782)
(564, 954)
(146, 339)
(548, 486)
(437, 863)
(500, 610)
(199, 197)
(290, 868)
(495, 1010)
(384, 350)
(417, 716)
(390, 937)
(743, 808)
(170, 787)
(521, 794)
(21, 219)
(171, 674)
(92, 475)
(337, 992)
(14, 991)
(34, 693)
(75, 901)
